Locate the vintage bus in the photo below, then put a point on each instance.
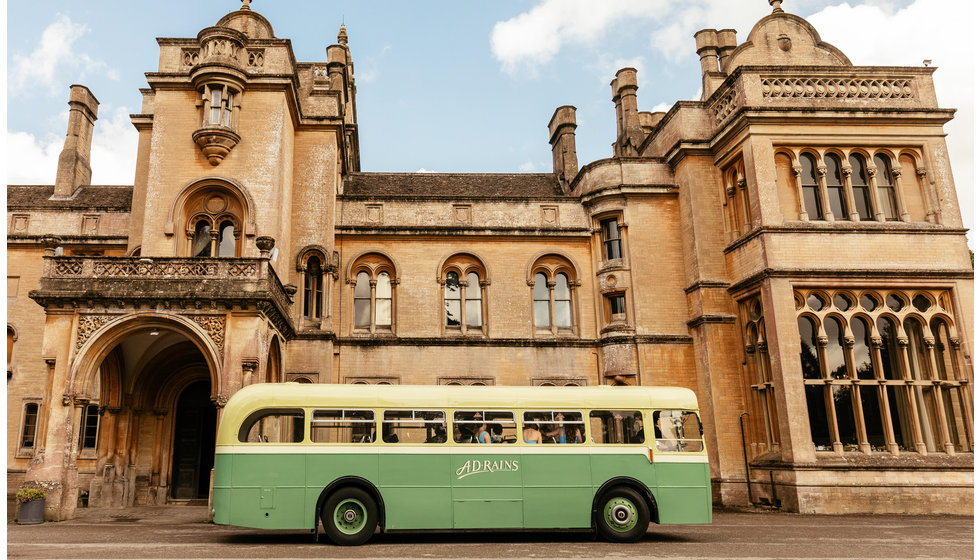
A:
(357, 458)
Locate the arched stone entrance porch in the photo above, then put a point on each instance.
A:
(142, 373)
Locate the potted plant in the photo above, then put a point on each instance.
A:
(30, 506)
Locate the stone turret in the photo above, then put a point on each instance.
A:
(629, 132)
(74, 168)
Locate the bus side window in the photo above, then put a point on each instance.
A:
(342, 426)
(616, 426)
(677, 430)
(478, 426)
(414, 426)
(556, 426)
(272, 425)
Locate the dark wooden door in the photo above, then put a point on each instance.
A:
(193, 443)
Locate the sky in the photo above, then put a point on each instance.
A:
(450, 85)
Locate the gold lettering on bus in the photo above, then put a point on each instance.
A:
(478, 466)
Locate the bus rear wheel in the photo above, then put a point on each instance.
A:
(622, 516)
(349, 516)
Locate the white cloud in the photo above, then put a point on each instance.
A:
(527, 167)
(369, 68)
(535, 37)
(424, 170)
(53, 54)
(34, 161)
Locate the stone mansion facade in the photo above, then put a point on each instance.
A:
(789, 246)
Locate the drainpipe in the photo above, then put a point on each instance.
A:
(745, 456)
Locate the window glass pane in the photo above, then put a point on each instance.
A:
(886, 190)
(862, 349)
(554, 426)
(835, 349)
(226, 247)
(201, 246)
(88, 435)
(542, 301)
(859, 184)
(473, 286)
(561, 287)
(616, 426)
(215, 105)
(610, 239)
(869, 303)
(362, 301)
(835, 189)
(474, 312)
(363, 287)
(563, 301)
(540, 287)
(898, 402)
(816, 404)
(808, 349)
(916, 349)
(484, 426)
(921, 303)
(815, 302)
(842, 302)
(946, 367)
(272, 426)
(30, 425)
(452, 290)
(617, 305)
(811, 194)
(452, 313)
(229, 103)
(382, 315)
(844, 407)
(414, 426)
(894, 302)
(871, 406)
(889, 349)
(383, 289)
(342, 426)
(677, 430)
(542, 314)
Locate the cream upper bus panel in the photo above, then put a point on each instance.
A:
(295, 395)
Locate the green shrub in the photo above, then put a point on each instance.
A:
(30, 494)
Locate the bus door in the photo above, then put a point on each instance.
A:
(486, 471)
(682, 467)
(415, 469)
(556, 468)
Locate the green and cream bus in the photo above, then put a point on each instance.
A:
(396, 457)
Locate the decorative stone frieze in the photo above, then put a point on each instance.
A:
(854, 88)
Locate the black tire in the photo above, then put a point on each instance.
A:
(622, 515)
(349, 516)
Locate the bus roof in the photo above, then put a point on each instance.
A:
(305, 395)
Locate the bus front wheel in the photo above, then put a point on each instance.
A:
(622, 516)
(349, 516)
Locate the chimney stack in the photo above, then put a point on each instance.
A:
(562, 131)
(707, 44)
(629, 133)
(74, 169)
(726, 44)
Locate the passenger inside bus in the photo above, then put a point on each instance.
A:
(531, 434)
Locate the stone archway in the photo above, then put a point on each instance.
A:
(146, 374)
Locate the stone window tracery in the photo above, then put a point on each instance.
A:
(759, 371)
(373, 283)
(735, 201)
(214, 224)
(464, 282)
(868, 187)
(553, 282)
(29, 425)
(881, 371)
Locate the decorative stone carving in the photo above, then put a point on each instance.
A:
(255, 58)
(265, 245)
(67, 268)
(243, 269)
(725, 106)
(214, 325)
(215, 142)
(855, 88)
(88, 325)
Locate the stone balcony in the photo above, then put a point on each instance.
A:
(164, 283)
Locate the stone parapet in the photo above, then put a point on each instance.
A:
(170, 282)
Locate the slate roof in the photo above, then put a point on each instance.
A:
(88, 197)
(452, 185)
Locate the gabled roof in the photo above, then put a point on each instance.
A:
(88, 197)
(452, 185)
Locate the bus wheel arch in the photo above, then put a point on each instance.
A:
(632, 484)
(350, 482)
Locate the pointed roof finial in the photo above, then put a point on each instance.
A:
(776, 6)
(342, 35)
(245, 4)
